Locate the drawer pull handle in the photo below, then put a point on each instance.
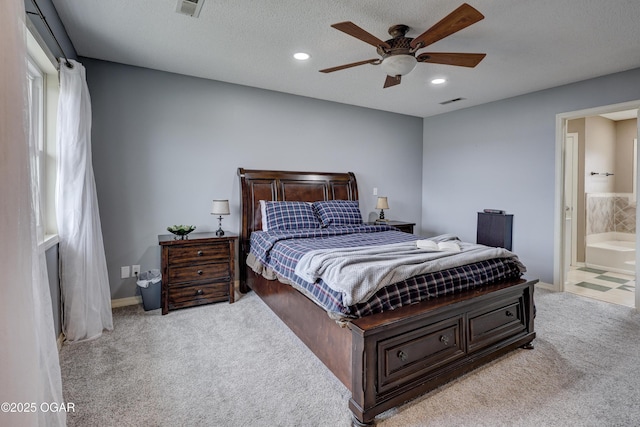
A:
(509, 314)
(199, 292)
(200, 272)
(403, 356)
(444, 339)
(200, 253)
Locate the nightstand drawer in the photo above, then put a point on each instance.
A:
(199, 253)
(189, 273)
(195, 295)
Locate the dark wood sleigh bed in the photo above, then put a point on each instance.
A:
(388, 358)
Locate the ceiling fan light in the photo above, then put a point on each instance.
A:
(398, 65)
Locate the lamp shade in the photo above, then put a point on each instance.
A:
(398, 65)
(220, 207)
(382, 203)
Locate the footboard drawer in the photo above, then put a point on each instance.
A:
(496, 322)
(415, 353)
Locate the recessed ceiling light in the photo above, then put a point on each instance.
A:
(438, 81)
(301, 56)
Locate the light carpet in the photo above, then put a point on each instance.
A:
(238, 365)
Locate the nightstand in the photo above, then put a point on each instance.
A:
(406, 227)
(495, 230)
(198, 270)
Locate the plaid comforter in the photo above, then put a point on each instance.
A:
(279, 252)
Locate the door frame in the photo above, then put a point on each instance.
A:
(573, 152)
(559, 215)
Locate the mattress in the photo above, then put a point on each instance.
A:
(274, 254)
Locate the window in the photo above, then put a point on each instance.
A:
(35, 91)
(43, 88)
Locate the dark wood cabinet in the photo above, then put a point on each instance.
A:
(406, 227)
(495, 230)
(198, 270)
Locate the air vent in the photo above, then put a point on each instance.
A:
(189, 7)
(452, 101)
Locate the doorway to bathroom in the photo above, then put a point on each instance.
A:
(596, 159)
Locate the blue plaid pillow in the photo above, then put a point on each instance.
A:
(338, 212)
(290, 216)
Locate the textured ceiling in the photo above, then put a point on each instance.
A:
(530, 45)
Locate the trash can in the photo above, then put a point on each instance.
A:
(150, 283)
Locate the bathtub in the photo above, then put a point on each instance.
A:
(612, 252)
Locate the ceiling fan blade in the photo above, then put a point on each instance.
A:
(353, 64)
(457, 20)
(357, 32)
(460, 59)
(392, 81)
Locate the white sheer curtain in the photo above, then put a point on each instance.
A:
(29, 366)
(86, 297)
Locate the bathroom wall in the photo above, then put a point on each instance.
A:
(599, 154)
(610, 212)
(626, 132)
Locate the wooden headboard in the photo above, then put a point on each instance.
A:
(256, 185)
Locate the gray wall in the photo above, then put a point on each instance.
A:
(502, 155)
(165, 145)
(54, 287)
(49, 11)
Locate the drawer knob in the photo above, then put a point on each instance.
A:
(199, 292)
(200, 253)
(200, 272)
(509, 314)
(444, 339)
(403, 356)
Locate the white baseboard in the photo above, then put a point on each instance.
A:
(123, 302)
(547, 286)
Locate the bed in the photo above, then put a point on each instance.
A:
(389, 357)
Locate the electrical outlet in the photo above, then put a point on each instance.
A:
(124, 272)
(135, 270)
(375, 191)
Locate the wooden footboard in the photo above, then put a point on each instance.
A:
(402, 354)
(392, 357)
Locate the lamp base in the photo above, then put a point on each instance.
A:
(219, 232)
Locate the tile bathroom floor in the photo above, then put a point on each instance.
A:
(603, 285)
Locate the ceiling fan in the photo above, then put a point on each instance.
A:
(399, 53)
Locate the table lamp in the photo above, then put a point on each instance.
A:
(382, 205)
(220, 207)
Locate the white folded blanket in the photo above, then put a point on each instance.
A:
(432, 245)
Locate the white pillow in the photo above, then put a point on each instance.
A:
(263, 211)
